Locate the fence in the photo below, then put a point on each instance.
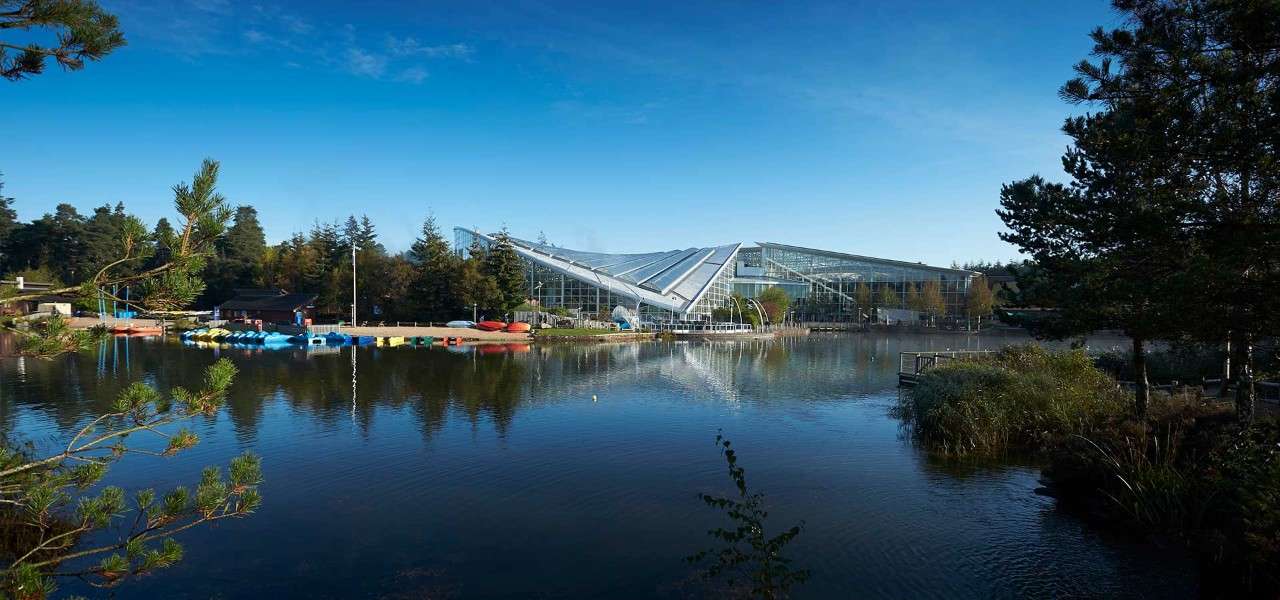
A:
(912, 364)
(700, 327)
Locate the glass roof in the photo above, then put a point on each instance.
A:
(659, 272)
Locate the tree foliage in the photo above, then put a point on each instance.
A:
(887, 297)
(236, 261)
(775, 302)
(83, 31)
(979, 301)
(862, 294)
(436, 275)
(931, 301)
(113, 249)
(66, 528)
(746, 558)
(1169, 226)
(503, 265)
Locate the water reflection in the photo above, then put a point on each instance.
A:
(482, 383)
(493, 468)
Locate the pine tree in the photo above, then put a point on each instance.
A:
(476, 287)
(436, 277)
(237, 259)
(84, 31)
(8, 223)
(504, 265)
(163, 238)
(367, 239)
(1190, 91)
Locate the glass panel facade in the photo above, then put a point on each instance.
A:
(690, 284)
(834, 279)
(594, 293)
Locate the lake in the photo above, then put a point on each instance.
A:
(569, 471)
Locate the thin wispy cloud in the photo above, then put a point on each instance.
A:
(365, 64)
(411, 47)
(197, 28)
(412, 75)
(627, 114)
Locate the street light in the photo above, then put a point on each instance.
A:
(353, 283)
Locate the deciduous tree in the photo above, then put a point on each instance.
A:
(978, 302)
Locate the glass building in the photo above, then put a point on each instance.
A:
(847, 287)
(675, 285)
(688, 284)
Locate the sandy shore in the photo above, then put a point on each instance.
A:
(88, 322)
(467, 334)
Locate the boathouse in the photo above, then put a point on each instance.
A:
(269, 306)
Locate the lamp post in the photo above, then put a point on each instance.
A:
(538, 299)
(353, 283)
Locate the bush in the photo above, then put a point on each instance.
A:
(1189, 471)
(1243, 532)
(1024, 397)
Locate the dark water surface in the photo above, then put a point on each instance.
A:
(474, 474)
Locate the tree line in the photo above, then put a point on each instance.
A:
(429, 282)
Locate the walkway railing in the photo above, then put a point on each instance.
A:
(700, 327)
(912, 364)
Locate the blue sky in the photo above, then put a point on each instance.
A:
(875, 128)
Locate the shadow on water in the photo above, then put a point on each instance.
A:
(575, 470)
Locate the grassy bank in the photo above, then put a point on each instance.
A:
(1187, 469)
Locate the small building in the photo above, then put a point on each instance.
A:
(42, 305)
(269, 306)
(19, 286)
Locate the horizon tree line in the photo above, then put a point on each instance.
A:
(428, 282)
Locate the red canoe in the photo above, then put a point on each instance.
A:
(518, 327)
(491, 325)
(137, 330)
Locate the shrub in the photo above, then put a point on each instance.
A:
(1245, 514)
(1024, 397)
(1190, 471)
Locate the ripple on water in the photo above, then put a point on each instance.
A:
(495, 475)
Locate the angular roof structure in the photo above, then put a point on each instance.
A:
(871, 260)
(672, 280)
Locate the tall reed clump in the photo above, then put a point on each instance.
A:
(1022, 398)
(1190, 471)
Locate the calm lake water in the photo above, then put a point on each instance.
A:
(495, 474)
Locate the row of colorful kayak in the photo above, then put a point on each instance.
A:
(218, 334)
(517, 327)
